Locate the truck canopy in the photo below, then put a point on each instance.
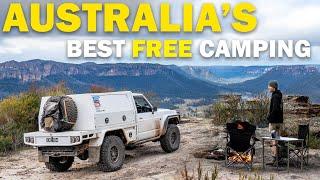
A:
(97, 110)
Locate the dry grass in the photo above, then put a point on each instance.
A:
(187, 175)
(200, 174)
(256, 176)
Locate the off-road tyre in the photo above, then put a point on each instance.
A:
(170, 142)
(65, 115)
(112, 154)
(59, 164)
(71, 113)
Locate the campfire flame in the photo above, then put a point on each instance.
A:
(240, 158)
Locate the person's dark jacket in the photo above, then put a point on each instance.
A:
(276, 108)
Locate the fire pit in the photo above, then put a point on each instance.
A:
(240, 144)
(240, 158)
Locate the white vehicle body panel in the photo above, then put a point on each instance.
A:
(118, 109)
(100, 113)
(148, 125)
(85, 112)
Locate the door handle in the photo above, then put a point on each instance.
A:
(140, 118)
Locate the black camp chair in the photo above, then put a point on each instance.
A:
(299, 150)
(240, 144)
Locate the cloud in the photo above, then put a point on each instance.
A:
(290, 19)
(18, 45)
(25, 48)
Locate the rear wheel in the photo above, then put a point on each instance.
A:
(171, 140)
(59, 164)
(112, 154)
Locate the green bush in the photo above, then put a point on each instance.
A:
(256, 110)
(18, 114)
(229, 108)
(232, 107)
(221, 113)
(20, 109)
(5, 144)
(314, 141)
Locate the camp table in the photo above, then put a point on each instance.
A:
(286, 140)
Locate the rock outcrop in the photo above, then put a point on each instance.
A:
(301, 105)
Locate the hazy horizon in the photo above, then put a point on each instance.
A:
(218, 65)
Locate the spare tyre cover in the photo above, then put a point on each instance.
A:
(59, 114)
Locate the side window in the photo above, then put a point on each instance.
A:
(142, 105)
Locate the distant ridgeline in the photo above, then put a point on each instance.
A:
(166, 81)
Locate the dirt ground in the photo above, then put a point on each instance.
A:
(148, 161)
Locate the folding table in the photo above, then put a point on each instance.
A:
(286, 140)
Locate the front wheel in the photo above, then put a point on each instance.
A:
(171, 140)
(112, 154)
(59, 164)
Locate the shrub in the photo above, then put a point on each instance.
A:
(18, 114)
(220, 113)
(227, 109)
(232, 107)
(314, 141)
(257, 110)
(5, 144)
(20, 109)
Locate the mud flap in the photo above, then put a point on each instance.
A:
(94, 154)
(94, 148)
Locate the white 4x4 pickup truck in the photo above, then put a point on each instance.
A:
(98, 127)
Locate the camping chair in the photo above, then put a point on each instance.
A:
(239, 148)
(301, 150)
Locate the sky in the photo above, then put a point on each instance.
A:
(286, 19)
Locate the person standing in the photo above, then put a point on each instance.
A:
(275, 116)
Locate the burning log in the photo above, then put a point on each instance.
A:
(240, 158)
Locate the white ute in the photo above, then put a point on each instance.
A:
(106, 123)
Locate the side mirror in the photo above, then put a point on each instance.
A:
(155, 109)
